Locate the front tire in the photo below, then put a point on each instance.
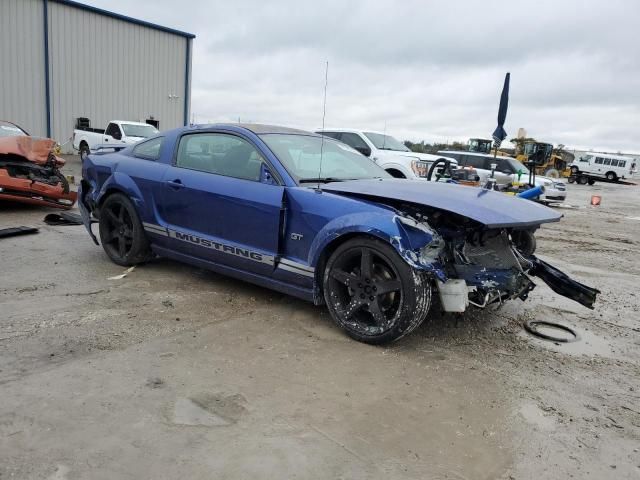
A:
(372, 293)
(575, 170)
(121, 233)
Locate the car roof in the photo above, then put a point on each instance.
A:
(129, 122)
(350, 130)
(260, 128)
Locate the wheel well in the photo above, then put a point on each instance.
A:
(82, 142)
(326, 253)
(612, 173)
(395, 173)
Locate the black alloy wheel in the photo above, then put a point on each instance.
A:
(121, 232)
(372, 293)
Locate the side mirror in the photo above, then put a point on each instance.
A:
(366, 151)
(266, 176)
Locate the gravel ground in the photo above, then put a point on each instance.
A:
(175, 372)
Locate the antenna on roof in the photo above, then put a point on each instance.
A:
(384, 135)
(324, 112)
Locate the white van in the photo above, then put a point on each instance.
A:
(611, 167)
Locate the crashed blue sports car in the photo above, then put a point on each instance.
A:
(309, 216)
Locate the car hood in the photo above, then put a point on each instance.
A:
(33, 149)
(493, 209)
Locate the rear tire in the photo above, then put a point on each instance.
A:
(121, 233)
(611, 176)
(372, 293)
(571, 179)
(582, 180)
(591, 181)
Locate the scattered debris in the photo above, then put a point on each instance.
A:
(122, 275)
(15, 231)
(155, 382)
(63, 218)
(532, 326)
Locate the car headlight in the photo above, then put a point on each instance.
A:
(420, 168)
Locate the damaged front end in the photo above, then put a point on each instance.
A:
(30, 173)
(475, 265)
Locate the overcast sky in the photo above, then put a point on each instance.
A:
(430, 70)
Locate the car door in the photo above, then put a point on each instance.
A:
(222, 203)
(505, 172)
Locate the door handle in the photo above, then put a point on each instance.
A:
(175, 184)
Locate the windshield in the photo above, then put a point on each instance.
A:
(386, 142)
(300, 155)
(10, 130)
(144, 131)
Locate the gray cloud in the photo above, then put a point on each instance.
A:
(428, 70)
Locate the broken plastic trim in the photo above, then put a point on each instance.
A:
(563, 284)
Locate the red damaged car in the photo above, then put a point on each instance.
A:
(30, 171)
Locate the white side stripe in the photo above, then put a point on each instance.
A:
(295, 270)
(297, 265)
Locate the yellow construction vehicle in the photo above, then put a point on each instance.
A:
(480, 145)
(548, 161)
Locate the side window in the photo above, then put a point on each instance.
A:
(622, 163)
(113, 130)
(587, 159)
(221, 154)
(607, 161)
(614, 162)
(353, 140)
(598, 160)
(504, 167)
(475, 162)
(335, 135)
(356, 142)
(149, 150)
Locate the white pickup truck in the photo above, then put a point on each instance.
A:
(118, 132)
(387, 152)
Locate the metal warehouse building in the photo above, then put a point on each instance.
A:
(62, 60)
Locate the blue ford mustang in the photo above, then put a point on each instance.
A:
(311, 217)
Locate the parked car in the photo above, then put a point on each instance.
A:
(30, 171)
(605, 165)
(86, 139)
(311, 217)
(508, 170)
(386, 151)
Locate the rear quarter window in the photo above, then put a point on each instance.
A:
(148, 150)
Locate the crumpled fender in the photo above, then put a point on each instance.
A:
(402, 233)
(125, 184)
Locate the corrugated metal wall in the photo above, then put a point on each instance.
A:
(22, 97)
(100, 67)
(105, 69)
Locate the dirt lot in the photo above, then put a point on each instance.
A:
(175, 372)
